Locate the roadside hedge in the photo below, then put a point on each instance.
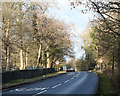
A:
(24, 74)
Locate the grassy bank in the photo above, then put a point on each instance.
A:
(105, 86)
(14, 83)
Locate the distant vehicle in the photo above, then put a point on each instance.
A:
(70, 70)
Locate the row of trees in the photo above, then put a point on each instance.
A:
(30, 38)
(105, 35)
(106, 38)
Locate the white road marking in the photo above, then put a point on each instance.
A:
(20, 89)
(72, 78)
(31, 89)
(40, 92)
(43, 88)
(36, 89)
(56, 86)
(66, 81)
(76, 76)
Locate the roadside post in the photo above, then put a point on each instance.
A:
(100, 61)
(57, 63)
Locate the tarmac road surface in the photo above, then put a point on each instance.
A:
(69, 83)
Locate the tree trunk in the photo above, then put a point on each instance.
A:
(15, 62)
(39, 54)
(53, 57)
(21, 59)
(48, 57)
(119, 54)
(118, 41)
(45, 61)
(48, 60)
(26, 64)
(7, 45)
(52, 62)
(7, 58)
(113, 65)
(43, 58)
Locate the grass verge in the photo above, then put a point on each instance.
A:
(15, 83)
(105, 86)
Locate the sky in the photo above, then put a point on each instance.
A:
(80, 21)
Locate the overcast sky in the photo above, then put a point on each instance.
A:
(72, 16)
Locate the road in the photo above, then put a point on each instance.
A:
(69, 83)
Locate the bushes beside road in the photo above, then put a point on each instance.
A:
(105, 86)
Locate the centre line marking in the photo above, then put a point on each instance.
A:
(76, 76)
(66, 81)
(72, 78)
(40, 92)
(56, 86)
